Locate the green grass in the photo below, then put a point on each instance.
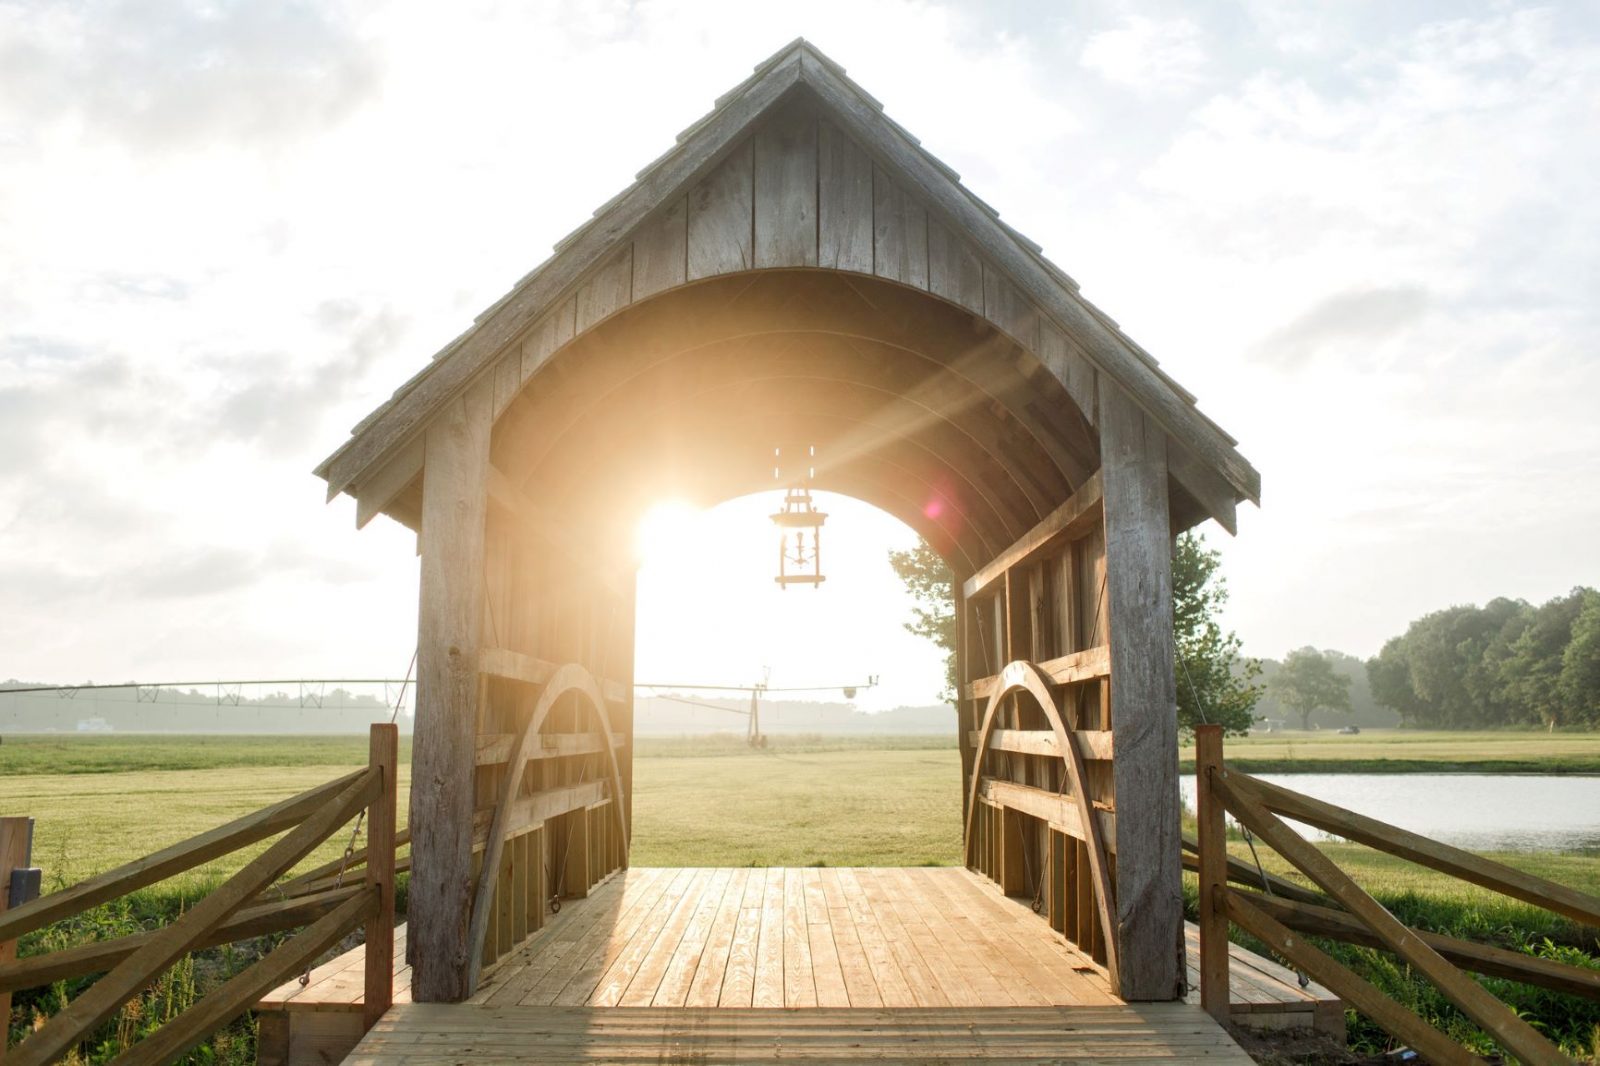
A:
(119, 753)
(1410, 751)
(804, 800)
(777, 807)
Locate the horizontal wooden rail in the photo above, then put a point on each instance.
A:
(1088, 665)
(235, 997)
(1390, 1016)
(182, 856)
(1092, 743)
(1479, 958)
(103, 955)
(401, 865)
(1243, 873)
(1058, 809)
(515, 666)
(532, 810)
(1071, 519)
(106, 996)
(495, 748)
(1245, 800)
(298, 885)
(1476, 869)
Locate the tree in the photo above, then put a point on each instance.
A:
(1214, 684)
(1580, 664)
(1307, 683)
(931, 584)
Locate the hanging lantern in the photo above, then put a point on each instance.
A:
(799, 539)
(799, 529)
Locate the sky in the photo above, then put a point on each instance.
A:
(1362, 233)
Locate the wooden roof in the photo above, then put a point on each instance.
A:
(1205, 455)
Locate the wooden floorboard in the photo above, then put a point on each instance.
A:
(427, 1034)
(861, 938)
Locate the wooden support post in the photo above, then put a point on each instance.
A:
(1013, 861)
(449, 625)
(1213, 875)
(15, 843)
(1144, 718)
(575, 871)
(384, 757)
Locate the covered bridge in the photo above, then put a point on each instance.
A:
(796, 268)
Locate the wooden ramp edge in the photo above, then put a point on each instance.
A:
(434, 1035)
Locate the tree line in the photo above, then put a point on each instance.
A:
(1507, 663)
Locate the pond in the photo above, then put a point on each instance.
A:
(1480, 812)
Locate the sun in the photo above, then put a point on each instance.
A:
(668, 530)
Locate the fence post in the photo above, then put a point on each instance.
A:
(1213, 846)
(384, 748)
(16, 840)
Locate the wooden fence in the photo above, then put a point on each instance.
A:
(248, 904)
(1352, 916)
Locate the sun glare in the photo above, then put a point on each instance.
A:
(667, 530)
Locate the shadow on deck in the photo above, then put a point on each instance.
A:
(913, 963)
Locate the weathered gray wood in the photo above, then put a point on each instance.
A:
(670, 178)
(786, 190)
(720, 210)
(547, 335)
(375, 493)
(449, 625)
(608, 290)
(899, 233)
(1086, 665)
(1205, 485)
(1144, 715)
(954, 270)
(378, 961)
(660, 251)
(1006, 306)
(1075, 373)
(1071, 519)
(844, 207)
(1108, 349)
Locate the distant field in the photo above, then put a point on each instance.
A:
(1403, 750)
(102, 800)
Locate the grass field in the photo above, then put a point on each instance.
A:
(103, 800)
(1408, 751)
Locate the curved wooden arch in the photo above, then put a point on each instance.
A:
(574, 678)
(1023, 676)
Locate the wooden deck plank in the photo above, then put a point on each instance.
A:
(706, 987)
(430, 1034)
(870, 939)
(799, 977)
(769, 988)
(603, 950)
(861, 988)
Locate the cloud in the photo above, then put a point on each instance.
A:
(1148, 55)
(192, 74)
(1348, 323)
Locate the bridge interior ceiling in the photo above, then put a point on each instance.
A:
(912, 404)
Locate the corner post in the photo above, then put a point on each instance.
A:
(1214, 995)
(16, 842)
(384, 757)
(449, 627)
(1144, 714)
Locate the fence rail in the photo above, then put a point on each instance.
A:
(247, 904)
(1353, 916)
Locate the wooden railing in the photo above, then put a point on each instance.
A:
(245, 905)
(1353, 916)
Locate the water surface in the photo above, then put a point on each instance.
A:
(1481, 812)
